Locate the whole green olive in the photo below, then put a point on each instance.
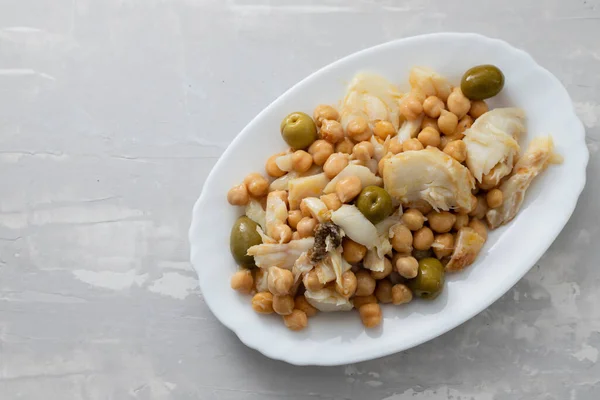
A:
(298, 130)
(374, 203)
(482, 82)
(429, 282)
(243, 236)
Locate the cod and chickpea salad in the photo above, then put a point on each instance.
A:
(376, 200)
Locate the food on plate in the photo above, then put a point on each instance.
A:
(492, 144)
(244, 234)
(377, 199)
(429, 282)
(374, 203)
(537, 157)
(430, 175)
(482, 82)
(468, 244)
(298, 130)
(370, 314)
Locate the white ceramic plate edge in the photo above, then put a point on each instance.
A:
(578, 183)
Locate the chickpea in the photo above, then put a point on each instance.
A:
(348, 286)
(348, 188)
(442, 221)
(384, 129)
(363, 151)
(262, 303)
(345, 146)
(296, 236)
(463, 124)
(480, 227)
(429, 122)
(488, 181)
(311, 281)
(335, 164)
(272, 168)
(480, 209)
(413, 219)
(282, 233)
(462, 220)
(423, 238)
(365, 284)
(320, 151)
(401, 294)
(331, 201)
(423, 206)
(280, 281)
(447, 139)
(457, 149)
(325, 112)
(429, 137)
(494, 198)
(283, 305)
(412, 145)
(294, 216)
(407, 266)
(256, 184)
(296, 320)
(410, 107)
(433, 106)
(370, 315)
(332, 131)
(478, 108)
(443, 245)
(458, 103)
(242, 281)
(360, 301)
(401, 239)
(300, 303)
(383, 291)
(301, 161)
(358, 129)
(238, 195)
(306, 227)
(395, 147)
(351, 251)
(447, 122)
(387, 269)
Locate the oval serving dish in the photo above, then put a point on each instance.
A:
(340, 338)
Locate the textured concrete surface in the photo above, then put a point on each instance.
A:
(112, 113)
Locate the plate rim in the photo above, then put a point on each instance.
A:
(578, 184)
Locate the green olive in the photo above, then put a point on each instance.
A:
(298, 130)
(243, 236)
(482, 82)
(374, 203)
(429, 282)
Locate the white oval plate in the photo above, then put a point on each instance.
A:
(339, 338)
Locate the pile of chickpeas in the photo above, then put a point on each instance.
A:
(423, 232)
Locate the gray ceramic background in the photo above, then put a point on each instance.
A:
(112, 113)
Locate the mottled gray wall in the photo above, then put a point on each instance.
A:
(112, 113)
